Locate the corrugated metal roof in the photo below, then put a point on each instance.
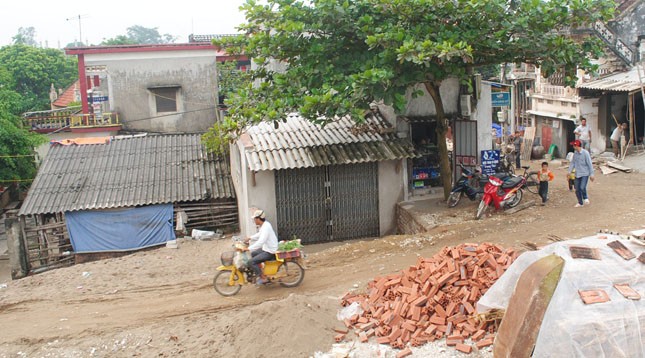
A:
(128, 172)
(299, 143)
(620, 82)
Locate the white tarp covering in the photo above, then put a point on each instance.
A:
(571, 328)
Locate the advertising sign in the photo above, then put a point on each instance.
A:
(500, 99)
(490, 160)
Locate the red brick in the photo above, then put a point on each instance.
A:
(478, 335)
(484, 343)
(464, 348)
(437, 320)
(404, 353)
(339, 338)
(362, 337)
(383, 340)
(341, 330)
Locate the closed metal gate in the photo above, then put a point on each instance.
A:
(464, 145)
(328, 203)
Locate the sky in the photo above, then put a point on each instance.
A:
(57, 21)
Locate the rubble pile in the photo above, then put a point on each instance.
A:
(431, 300)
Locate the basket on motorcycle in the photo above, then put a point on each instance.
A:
(227, 258)
(288, 254)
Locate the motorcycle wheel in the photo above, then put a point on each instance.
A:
(221, 280)
(292, 273)
(454, 198)
(517, 198)
(481, 209)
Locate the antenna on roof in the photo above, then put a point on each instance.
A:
(80, 31)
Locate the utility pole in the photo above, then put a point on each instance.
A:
(80, 29)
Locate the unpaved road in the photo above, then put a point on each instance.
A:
(161, 303)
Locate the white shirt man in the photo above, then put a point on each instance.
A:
(264, 245)
(583, 133)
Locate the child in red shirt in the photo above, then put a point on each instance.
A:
(545, 176)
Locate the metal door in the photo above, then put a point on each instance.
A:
(464, 145)
(300, 203)
(328, 203)
(354, 201)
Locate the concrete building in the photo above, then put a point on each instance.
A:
(166, 88)
(318, 184)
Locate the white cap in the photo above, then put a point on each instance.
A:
(259, 214)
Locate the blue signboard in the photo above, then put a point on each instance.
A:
(500, 99)
(99, 99)
(490, 160)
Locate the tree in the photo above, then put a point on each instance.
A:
(225, 130)
(25, 36)
(31, 71)
(26, 74)
(144, 35)
(17, 155)
(119, 40)
(342, 55)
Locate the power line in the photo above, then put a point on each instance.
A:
(17, 156)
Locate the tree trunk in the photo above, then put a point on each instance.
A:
(441, 129)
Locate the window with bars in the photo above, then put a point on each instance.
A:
(165, 98)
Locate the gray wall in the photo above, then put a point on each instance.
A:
(483, 113)
(631, 25)
(391, 185)
(130, 75)
(424, 105)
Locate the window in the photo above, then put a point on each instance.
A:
(165, 98)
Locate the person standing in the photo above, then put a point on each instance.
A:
(583, 134)
(583, 167)
(545, 176)
(615, 138)
(517, 142)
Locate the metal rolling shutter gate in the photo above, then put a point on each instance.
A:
(328, 203)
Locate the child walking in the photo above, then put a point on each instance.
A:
(545, 176)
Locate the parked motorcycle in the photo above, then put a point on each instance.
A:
(471, 184)
(287, 269)
(502, 193)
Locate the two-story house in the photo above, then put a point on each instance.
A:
(611, 96)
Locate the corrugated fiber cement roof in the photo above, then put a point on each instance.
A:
(299, 143)
(126, 172)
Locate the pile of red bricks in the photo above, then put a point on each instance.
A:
(431, 300)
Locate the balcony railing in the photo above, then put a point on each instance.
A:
(556, 91)
(68, 120)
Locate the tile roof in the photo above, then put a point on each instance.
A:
(620, 82)
(131, 171)
(68, 96)
(299, 143)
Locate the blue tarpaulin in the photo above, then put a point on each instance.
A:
(120, 229)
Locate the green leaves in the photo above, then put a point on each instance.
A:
(334, 57)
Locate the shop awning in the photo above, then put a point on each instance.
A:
(620, 82)
(552, 115)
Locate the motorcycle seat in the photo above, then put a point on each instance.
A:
(511, 182)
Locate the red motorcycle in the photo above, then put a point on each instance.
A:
(502, 193)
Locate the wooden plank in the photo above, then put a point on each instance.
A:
(619, 167)
(581, 252)
(527, 142)
(606, 170)
(621, 250)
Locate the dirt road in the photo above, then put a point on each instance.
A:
(161, 302)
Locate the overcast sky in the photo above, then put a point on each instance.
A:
(110, 18)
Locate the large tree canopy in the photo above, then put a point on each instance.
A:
(31, 72)
(342, 55)
(26, 74)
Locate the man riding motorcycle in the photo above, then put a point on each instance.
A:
(263, 245)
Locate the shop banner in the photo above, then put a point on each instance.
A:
(490, 160)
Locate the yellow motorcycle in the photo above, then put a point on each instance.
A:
(287, 269)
